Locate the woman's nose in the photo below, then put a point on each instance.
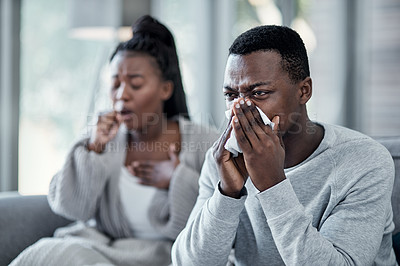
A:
(122, 92)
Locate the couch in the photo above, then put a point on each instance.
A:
(25, 219)
(393, 145)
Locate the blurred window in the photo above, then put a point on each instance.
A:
(354, 53)
(58, 78)
(353, 49)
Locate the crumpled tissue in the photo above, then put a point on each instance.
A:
(231, 144)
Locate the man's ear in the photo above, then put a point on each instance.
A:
(305, 90)
(167, 89)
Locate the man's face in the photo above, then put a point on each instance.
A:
(259, 77)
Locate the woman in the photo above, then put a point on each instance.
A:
(136, 178)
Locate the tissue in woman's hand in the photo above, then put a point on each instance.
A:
(231, 144)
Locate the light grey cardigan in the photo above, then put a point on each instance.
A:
(87, 185)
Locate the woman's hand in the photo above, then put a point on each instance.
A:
(262, 146)
(232, 171)
(107, 128)
(156, 173)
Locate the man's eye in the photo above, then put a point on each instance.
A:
(230, 95)
(260, 93)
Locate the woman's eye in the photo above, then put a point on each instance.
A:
(136, 82)
(115, 86)
(136, 86)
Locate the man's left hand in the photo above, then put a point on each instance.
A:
(262, 146)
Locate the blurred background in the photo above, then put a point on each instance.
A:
(54, 67)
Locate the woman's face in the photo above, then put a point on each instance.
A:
(138, 90)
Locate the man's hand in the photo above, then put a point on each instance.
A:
(156, 173)
(107, 128)
(262, 147)
(232, 171)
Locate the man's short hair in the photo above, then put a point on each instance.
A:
(280, 39)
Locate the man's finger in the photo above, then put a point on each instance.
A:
(243, 127)
(277, 129)
(240, 135)
(219, 145)
(254, 118)
(257, 116)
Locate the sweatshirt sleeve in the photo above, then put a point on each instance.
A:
(76, 189)
(350, 235)
(210, 232)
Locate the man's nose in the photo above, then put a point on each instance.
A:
(243, 95)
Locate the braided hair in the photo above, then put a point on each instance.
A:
(153, 38)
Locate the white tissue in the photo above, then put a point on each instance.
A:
(231, 144)
(118, 106)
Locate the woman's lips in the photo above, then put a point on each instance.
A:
(125, 114)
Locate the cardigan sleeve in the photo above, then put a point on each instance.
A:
(170, 209)
(211, 229)
(75, 191)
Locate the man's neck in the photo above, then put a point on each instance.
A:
(301, 144)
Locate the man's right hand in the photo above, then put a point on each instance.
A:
(232, 171)
(107, 128)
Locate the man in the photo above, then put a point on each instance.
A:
(302, 193)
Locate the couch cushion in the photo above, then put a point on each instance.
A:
(23, 221)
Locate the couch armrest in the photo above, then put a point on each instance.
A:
(23, 221)
(393, 145)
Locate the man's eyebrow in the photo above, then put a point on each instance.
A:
(226, 87)
(250, 87)
(258, 84)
